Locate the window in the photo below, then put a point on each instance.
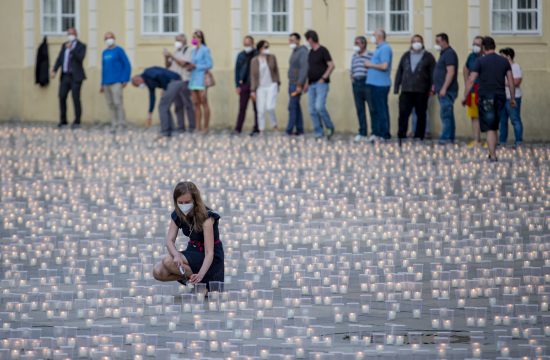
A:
(394, 16)
(58, 16)
(161, 17)
(516, 16)
(269, 16)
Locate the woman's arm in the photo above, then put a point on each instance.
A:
(171, 239)
(208, 229)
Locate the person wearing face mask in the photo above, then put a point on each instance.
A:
(297, 77)
(358, 74)
(264, 84)
(242, 84)
(320, 66)
(200, 66)
(177, 62)
(171, 84)
(414, 77)
(203, 259)
(70, 61)
(115, 74)
(446, 86)
(472, 102)
(378, 87)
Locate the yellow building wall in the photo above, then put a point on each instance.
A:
(21, 99)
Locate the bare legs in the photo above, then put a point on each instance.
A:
(492, 143)
(476, 130)
(200, 104)
(167, 270)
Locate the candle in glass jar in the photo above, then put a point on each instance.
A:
(547, 330)
(460, 303)
(544, 306)
(82, 352)
(506, 320)
(481, 322)
(392, 315)
(187, 307)
(515, 333)
(246, 334)
(435, 323)
(476, 352)
(505, 351)
(150, 350)
(214, 346)
(416, 313)
(338, 318)
(171, 326)
(380, 296)
(352, 317)
(399, 340)
(447, 324)
(470, 321)
(406, 295)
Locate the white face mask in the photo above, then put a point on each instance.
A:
(437, 48)
(292, 46)
(308, 46)
(186, 208)
(356, 49)
(266, 51)
(71, 37)
(142, 86)
(109, 42)
(248, 49)
(373, 39)
(416, 46)
(476, 49)
(178, 45)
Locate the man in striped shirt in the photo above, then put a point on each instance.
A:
(358, 73)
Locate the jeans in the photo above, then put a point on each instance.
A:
(360, 97)
(447, 115)
(514, 114)
(379, 111)
(295, 116)
(317, 96)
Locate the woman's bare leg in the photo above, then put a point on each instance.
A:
(167, 270)
(195, 98)
(206, 108)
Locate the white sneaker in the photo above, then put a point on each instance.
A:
(359, 138)
(372, 138)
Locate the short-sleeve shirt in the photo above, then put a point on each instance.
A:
(470, 61)
(197, 237)
(517, 74)
(447, 57)
(318, 64)
(382, 54)
(492, 71)
(358, 69)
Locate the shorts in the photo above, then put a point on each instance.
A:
(490, 108)
(472, 110)
(196, 88)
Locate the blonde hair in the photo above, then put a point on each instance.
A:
(198, 214)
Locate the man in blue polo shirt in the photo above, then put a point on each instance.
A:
(169, 81)
(378, 86)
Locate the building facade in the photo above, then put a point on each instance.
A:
(145, 27)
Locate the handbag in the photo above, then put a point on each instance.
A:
(209, 80)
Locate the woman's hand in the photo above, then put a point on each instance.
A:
(196, 278)
(179, 260)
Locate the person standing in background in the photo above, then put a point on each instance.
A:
(201, 63)
(378, 86)
(297, 77)
(512, 112)
(115, 75)
(264, 84)
(242, 84)
(414, 77)
(358, 74)
(70, 61)
(492, 70)
(446, 86)
(320, 66)
(472, 109)
(177, 62)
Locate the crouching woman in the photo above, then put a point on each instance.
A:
(203, 259)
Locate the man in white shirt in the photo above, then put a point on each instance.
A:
(177, 62)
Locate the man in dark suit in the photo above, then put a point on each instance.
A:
(70, 61)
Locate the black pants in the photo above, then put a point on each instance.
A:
(407, 102)
(68, 84)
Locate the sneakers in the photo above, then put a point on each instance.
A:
(359, 138)
(472, 144)
(372, 138)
